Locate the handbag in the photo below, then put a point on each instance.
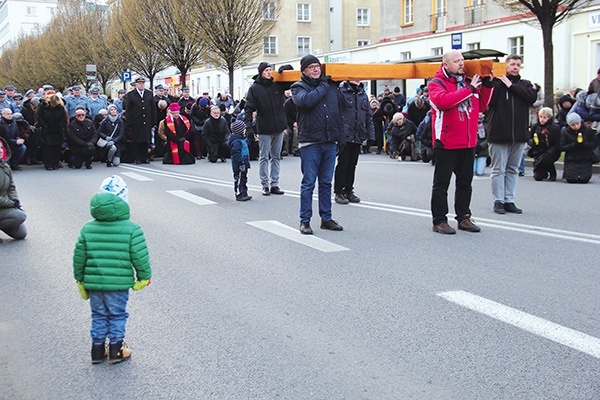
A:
(103, 142)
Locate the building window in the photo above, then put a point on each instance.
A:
(51, 11)
(270, 46)
(363, 42)
(30, 10)
(476, 2)
(362, 17)
(405, 55)
(437, 51)
(219, 82)
(303, 12)
(303, 45)
(473, 46)
(408, 12)
(516, 45)
(270, 10)
(207, 85)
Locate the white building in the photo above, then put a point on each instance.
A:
(18, 17)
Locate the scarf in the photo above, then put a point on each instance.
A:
(465, 105)
(112, 119)
(173, 145)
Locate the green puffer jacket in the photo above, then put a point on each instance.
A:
(109, 246)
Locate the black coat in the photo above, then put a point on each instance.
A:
(356, 113)
(266, 98)
(81, 133)
(141, 115)
(578, 156)
(53, 122)
(548, 136)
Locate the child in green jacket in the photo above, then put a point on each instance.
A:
(110, 257)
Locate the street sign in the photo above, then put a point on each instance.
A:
(125, 76)
(456, 41)
(90, 77)
(90, 68)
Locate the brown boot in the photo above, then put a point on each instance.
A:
(118, 352)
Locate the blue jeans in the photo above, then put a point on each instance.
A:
(109, 315)
(505, 164)
(269, 153)
(317, 161)
(18, 151)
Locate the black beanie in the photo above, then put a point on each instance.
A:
(307, 60)
(286, 67)
(262, 66)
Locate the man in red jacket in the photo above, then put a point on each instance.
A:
(455, 103)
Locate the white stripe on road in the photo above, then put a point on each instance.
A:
(287, 232)
(418, 212)
(190, 197)
(137, 177)
(530, 323)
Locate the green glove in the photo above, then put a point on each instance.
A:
(139, 285)
(84, 293)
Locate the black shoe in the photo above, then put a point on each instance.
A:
(99, 353)
(352, 198)
(146, 162)
(244, 197)
(511, 208)
(276, 190)
(521, 173)
(499, 207)
(118, 352)
(331, 225)
(305, 228)
(296, 154)
(138, 162)
(266, 191)
(109, 164)
(341, 199)
(444, 229)
(552, 178)
(223, 159)
(88, 166)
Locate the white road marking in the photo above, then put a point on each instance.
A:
(190, 197)
(419, 212)
(279, 229)
(137, 177)
(530, 323)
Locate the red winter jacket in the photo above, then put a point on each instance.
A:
(453, 128)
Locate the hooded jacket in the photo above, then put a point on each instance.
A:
(8, 191)
(453, 128)
(266, 98)
(110, 247)
(357, 114)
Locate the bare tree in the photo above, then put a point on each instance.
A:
(164, 26)
(548, 14)
(136, 55)
(233, 30)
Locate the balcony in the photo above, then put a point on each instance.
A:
(438, 22)
(475, 15)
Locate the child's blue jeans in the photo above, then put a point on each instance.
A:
(109, 315)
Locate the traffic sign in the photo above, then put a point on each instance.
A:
(125, 76)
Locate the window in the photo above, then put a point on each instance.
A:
(219, 81)
(362, 17)
(270, 10)
(437, 51)
(407, 12)
(405, 55)
(303, 45)
(473, 46)
(440, 6)
(30, 10)
(363, 42)
(476, 2)
(270, 46)
(207, 84)
(516, 46)
(303, 12)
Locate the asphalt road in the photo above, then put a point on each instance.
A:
(242, 306)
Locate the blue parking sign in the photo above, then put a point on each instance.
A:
(125, 76)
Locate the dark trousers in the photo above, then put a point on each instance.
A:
(140, 150)
(240, 180)
(346, 168)
(51, 155)
(82, 156)
(542, 167)
(460, 162)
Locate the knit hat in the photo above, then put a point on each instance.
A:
(112, 106)
(262, 66)
(115, 185)
(203, 102)
(285, 67)
(238, 127)
(573, 118)
(308, 60)
(174, 107)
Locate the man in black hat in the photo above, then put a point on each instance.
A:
(266, 98)
(141, 117)
(185, 98)
(320, 130)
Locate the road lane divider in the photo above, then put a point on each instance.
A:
(191, 197)
(284, 231)
(530, 323)
(137, 177)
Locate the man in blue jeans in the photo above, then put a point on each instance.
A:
(320, 132)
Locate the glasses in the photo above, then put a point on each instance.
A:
(314, 67)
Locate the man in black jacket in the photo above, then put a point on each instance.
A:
(141, 117)
(266, 98)
(507, 127)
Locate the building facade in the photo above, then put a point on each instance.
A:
(18, 17)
